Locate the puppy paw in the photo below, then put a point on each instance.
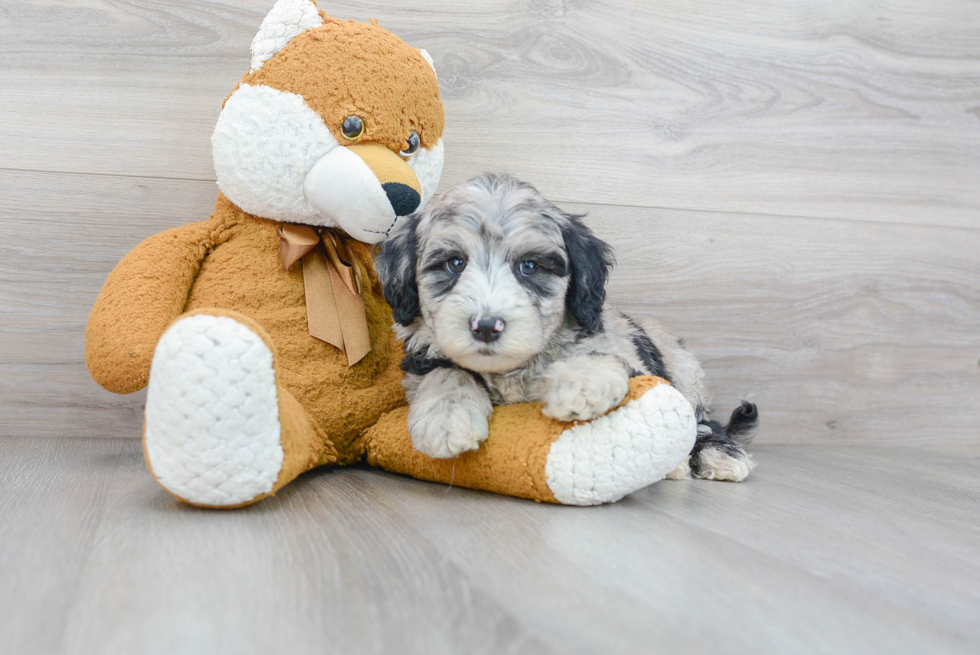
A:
(729, 465)
(449, 415)
(682, 472)
(582, 388)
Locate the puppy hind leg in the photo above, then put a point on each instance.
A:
(718, 456)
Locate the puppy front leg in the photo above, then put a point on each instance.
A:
(449, 413)
(582, 387)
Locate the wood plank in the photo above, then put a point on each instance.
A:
(61, 236)
(858, 525)
(825, 549)
(97, 558)
(639, 569)
(841, 110)
(857, 505)
(841, 331)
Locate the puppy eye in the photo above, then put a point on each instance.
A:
(527, 268)
(456, 265)
(411, 145)
(352, 127)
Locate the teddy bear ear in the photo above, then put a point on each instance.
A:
(287, 20)
(428, 58)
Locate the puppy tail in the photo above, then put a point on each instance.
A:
(744, 420)
(718, 452)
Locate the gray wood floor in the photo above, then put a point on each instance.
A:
(829, 549)
(794, 187)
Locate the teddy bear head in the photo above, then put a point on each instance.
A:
(336, 124)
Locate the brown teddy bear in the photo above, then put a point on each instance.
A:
(262, 332)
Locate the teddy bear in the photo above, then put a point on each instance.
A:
(262, 333)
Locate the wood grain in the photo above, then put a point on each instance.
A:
(826, 550)
(851, 110)
(97, 558)
(839, 330)
(792, 188)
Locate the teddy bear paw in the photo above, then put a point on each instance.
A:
(212, 434)
(623, 451)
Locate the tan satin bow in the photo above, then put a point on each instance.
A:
(334, 305)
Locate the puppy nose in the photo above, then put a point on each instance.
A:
(403, 198)
(487, 329)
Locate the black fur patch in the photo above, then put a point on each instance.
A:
(418, 364)
(652, 358)
(590, 259)
(394, 262)
(440, 281)
(541, 284)
(744, 419)
(728, 439)
(551, 262)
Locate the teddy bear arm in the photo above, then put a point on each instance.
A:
(144, 293)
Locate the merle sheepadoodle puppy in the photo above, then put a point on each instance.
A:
(500, 298)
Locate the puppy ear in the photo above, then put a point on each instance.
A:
(589, 261)
(394, 261)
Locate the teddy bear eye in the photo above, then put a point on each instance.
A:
(352, 127)
(412, 144)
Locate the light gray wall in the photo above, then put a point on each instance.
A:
(796, 190)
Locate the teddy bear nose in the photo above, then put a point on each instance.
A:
(403, 198)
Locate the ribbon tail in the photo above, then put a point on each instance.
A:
(352, 318)
(321, 309)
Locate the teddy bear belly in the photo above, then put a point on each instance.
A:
(342, 400)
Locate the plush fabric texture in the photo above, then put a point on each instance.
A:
(264, 145)
(213, 376)
(427, 164)
(232, 262)
(520, 457)
(287, 20)
(630, 448)
(343, 68)
(242, 399)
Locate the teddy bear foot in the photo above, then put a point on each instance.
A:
(212, 433)
(531, 455)
(631, 447)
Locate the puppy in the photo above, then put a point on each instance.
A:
(499, 297)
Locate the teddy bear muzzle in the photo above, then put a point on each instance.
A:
(363, 189)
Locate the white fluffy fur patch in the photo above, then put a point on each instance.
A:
(212, 412)
(425, 55)
(264, 145)
(427, 164)
(623, 451)
(275, 158)
(718, 465)
(285, 21)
